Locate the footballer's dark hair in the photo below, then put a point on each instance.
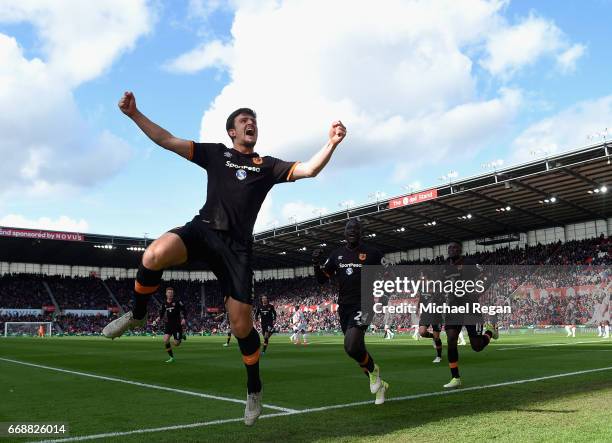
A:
(229, 124)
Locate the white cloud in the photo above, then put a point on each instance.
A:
(81, 39)
(213, 54)
(46, 144)
(398, 76)
(511, 48)
(63, 223)
(568, 129)
(567, 59)
(203, 9)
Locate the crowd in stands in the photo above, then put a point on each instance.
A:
(79, 292)
(593, 276)
(23, 291)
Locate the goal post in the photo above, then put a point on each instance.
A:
(30, 328)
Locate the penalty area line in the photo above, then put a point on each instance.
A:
(143, 385)
(327, 408)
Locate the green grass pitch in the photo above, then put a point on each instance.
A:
(299, 379)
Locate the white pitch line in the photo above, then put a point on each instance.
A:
(546, 345)
(327, 408)
(144, 385)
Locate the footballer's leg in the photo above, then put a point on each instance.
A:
(452, 335)
(354, 346)
(437, 343)
(168, 250)
(266, 339)
(168, 347)
(249, 342)
(478, 341)
(423, 332)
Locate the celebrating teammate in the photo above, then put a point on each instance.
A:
(170, 313)
(456, 268)
(267, 316)
(222, 233)
(345, 264)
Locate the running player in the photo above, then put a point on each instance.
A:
(267, 316)
(429, 319)
(345, 264)
(456, 268)
(170, 313)
(222, 233)
(299, 327)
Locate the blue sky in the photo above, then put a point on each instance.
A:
(424, 88)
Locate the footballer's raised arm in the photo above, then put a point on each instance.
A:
(163, 138)
(317, 162)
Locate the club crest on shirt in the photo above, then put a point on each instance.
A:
(362, 257)
(227, 154)
(349, 271)
(257, 160)
(241, 174)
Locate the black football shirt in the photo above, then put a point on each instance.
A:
(171, 312)
(345, 264)
(237, 186)
(267, 313)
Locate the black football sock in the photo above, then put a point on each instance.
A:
(147, 282)
(438, 343)
(249, 346)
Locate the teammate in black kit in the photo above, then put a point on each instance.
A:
(433, 320)
(171, 313)
(458, 267)
(222, 233)
(267, 315)
(345, 265)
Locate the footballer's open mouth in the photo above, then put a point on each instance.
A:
(250, 131)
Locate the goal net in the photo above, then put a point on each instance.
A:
(27, 328)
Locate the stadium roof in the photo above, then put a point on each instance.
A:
(555, 191)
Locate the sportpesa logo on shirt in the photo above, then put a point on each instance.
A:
(229, 164)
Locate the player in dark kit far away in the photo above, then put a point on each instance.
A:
(173, 315)
(222, 233)
(267, 316)
(344, 264)
(458, 267)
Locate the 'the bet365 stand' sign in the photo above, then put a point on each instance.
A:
(413, 198)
